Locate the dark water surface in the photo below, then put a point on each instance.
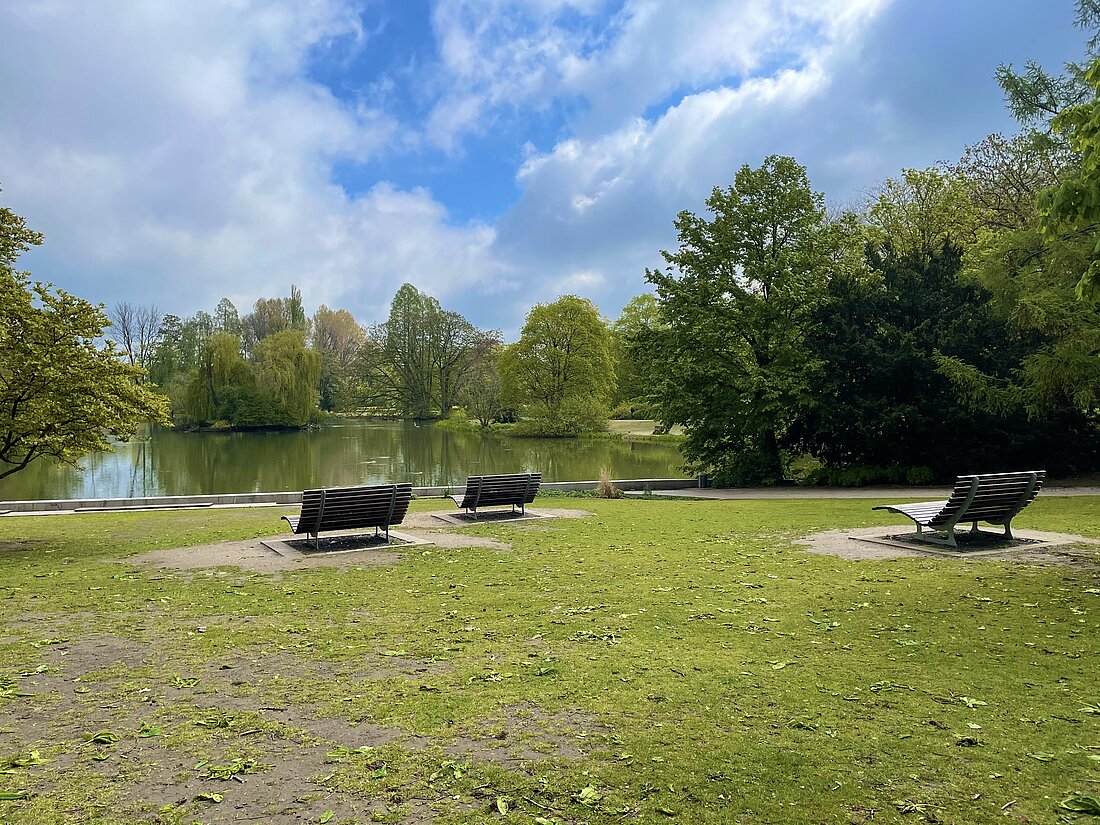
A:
(169, 463)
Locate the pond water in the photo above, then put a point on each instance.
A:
(164, 462)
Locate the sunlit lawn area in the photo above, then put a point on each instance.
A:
(656, 661)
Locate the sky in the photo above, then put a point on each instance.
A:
(494, 153)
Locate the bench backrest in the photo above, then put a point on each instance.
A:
(513, 488)
(340, 508)
(992, 497)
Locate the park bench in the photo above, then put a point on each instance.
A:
(345, 508)
(994, 498)
(491, 491)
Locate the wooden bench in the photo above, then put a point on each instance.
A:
(344, 508)
(490, 491)
(994, 498)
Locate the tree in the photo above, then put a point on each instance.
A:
(561, 370)
(1041, 267)
(135, 329)
(419, 358)
(287, 375)
(1072, 207)
(338, 338)
(921, 211)
(216, 384)
(402, 368)
(481, 393)
(737, 301)
(61, 395)
(226, 318)
(639, 317)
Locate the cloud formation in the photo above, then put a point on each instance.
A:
(178, 152)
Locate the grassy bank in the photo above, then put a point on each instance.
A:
(656, 661)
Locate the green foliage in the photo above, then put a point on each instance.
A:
(904, 327)
(338, 337)
(862, 475)
(921, 212)
(61, 394)
(1073, 206)
(560, 372)
(639, 318)
(740, 295)
(287, 375)
(419, 360)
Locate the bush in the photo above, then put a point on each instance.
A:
(919, 475)
(861, 475)
(623, 412)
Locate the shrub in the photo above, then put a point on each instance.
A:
(919, 475)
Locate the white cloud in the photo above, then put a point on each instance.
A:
(182, 150)
(502, 54)
(606, 202)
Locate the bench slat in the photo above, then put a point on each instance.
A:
(339, 508)
(996, 499)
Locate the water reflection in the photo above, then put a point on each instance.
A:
(167, 462)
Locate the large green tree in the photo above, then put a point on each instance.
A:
(737, 300)
(419, 359)
(639, 317)
(561, 371)
(1041, 262)
(61, 393)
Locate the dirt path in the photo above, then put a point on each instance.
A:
(253, 556)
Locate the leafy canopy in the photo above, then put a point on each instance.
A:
(736, 302)
(61, 394)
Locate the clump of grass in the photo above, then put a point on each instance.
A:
(605, 489)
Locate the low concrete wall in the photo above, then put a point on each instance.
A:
(251, 499)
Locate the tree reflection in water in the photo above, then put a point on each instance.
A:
(170, 463)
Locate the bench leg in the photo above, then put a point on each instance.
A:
(1008, 529)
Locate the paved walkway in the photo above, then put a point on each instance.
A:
(930, 493)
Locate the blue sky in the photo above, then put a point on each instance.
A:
(496, 153)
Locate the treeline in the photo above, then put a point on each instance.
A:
(278, 367)
(950, 326)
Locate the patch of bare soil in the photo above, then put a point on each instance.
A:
(1056, 548)
(251, 555)
(524, 733)
(110, 683)
(427, 521)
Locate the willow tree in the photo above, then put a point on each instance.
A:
(736, 301)
(287, 378)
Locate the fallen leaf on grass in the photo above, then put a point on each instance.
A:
(1081, 804)
(14, 796)
(1042, 757)
(209, 797)
(101, 737)
(588, 796)
(22, 761)
(146, 731)
(326, 817)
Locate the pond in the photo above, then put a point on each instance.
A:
(164, 462)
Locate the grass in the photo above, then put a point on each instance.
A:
(657, 661)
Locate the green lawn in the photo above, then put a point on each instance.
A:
(658, 661)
